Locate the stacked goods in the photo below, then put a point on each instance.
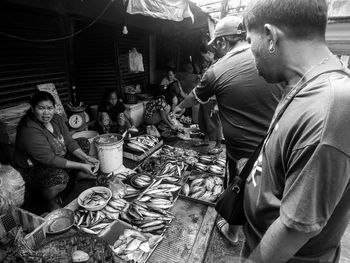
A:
(142, 143)
(204, 187)
(148, 219)
(133, 246)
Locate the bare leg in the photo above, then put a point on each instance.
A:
(50, 195)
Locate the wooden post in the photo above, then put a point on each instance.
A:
(224, 8)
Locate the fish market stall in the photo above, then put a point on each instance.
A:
(159, 203)
(159, 210)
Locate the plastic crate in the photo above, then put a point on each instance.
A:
(30, 223)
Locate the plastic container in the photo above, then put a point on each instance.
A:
(90, 135)
(130, 98)
(89, 192)
(29, 222)
(109, 151)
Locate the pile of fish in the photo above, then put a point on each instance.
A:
(180, 154)
(93, 222)
(210, 164)
(152, 164)
(149, 212)
(133, 246)
(204, 187)
(131, 191)
(172, 172)
(160, 195)
(95, 198)
(149, 219)
(141, 180)
(142, 143)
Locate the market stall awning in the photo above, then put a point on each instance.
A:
(214, 7)
(175, 10)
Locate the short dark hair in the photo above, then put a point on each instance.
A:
(107, 93)
(40, 96)
(36, 98)
(301, 19)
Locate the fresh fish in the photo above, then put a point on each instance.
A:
(153, 228)
(198, 194)
(133, 245)
(152, 223)
(144, 246)
(186, 189)
(135, 147)
(209, 183)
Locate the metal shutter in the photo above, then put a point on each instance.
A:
(23, 64)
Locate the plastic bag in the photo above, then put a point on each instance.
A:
(12, 188)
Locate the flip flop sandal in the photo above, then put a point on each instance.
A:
(198, 144)
(219, 225)
(215, 151)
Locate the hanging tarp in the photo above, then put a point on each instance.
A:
(175, 10)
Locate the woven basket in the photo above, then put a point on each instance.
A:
(130, 98)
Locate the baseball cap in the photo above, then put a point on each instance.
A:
(227, 26)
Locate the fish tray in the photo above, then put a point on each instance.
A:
(138, 156)
(198, 200)
(182, 177)
(115, 230)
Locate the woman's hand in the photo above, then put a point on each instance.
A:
(87, 168)
(94, 162)
(91, 160)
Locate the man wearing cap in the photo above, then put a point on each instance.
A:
(246, 101)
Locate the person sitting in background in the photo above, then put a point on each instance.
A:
(158, 109)
(45, 152)
(172, 83)
(112, 116)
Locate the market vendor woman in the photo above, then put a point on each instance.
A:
(112, 115)
(158, 109)
(45, 151)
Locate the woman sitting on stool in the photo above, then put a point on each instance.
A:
(45, 152)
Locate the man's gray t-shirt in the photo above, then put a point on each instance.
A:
(303, 173)
(246, 101)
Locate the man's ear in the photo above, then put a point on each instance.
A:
(272, 33)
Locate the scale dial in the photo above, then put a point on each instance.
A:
(75, 121)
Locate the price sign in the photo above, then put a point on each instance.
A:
(147, 142)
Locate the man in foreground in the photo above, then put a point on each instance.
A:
(246, 101)
(297, 203)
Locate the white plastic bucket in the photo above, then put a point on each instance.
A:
(90, 135)
(109, 151)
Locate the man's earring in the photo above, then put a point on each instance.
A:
(271, 48)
